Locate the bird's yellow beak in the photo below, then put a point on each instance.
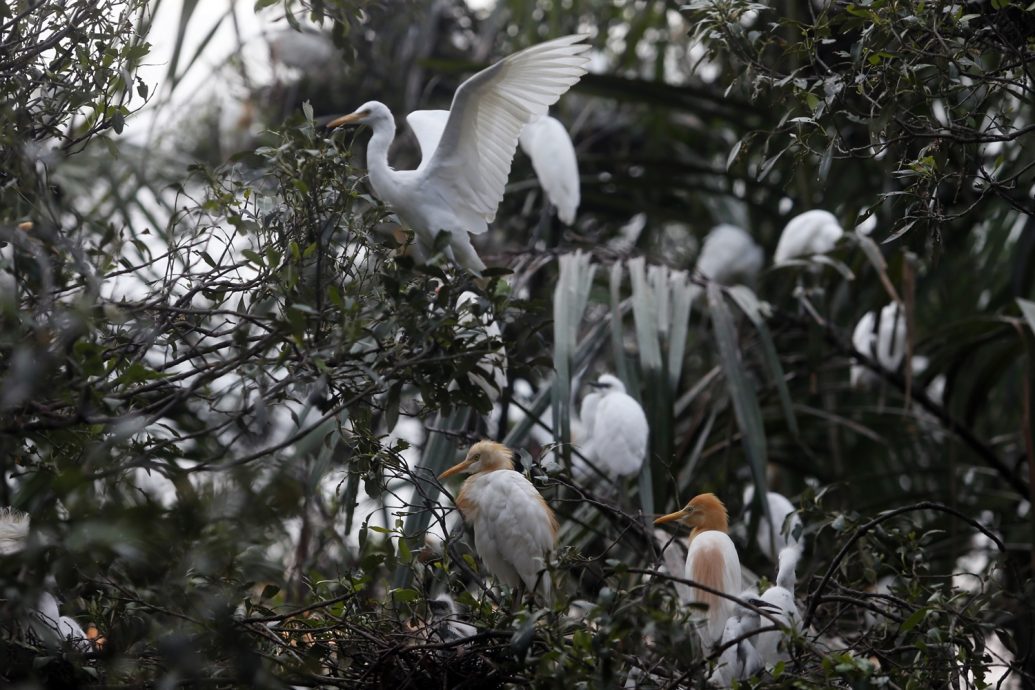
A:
(455, 469)
(348, 119)
(671, 517)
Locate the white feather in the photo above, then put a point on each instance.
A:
(616, 429)
(547, 143)
(729, 256)
(709, 545)
(812, 232)
(785, 518)
(14, 531)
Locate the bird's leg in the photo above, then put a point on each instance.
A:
(518, 595)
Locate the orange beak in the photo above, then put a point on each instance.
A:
(348, 119)
(455, 469)
(671, 517)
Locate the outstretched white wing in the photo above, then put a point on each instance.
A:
(489, 110)
(427, 126)
(547, 143)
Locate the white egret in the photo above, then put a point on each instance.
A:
(514, 529)
(771, 645)
(740, 660)
(448, 626)
(548, 144)
(712, 560)
(478, 325)
(730, 256)
(788, 526)
(883, 340)
(459, 183)
(812, 232)
(616, 428)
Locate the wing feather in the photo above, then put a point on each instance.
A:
(473, 158)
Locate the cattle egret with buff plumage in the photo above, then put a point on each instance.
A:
(712, 561)
(514, 530)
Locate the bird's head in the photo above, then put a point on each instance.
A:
(703, 512)
(484, 456)
(365, 114)
(609, 383)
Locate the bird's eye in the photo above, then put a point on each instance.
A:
(476, 457)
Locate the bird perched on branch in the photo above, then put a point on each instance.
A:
(882, 339)
(771, 646)
(730, 256)
(514, 529)
(615, 427)
(711, 561)
(459, 183)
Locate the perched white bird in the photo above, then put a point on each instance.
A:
(883, 341)
(448, 626)
(514, 529)
(459, 183)
(14, 531)
(812, 232)
(51, 627)
(740, 660)
(771, 646)
(729, 256)
(547, 143)
(788, 527)
(712, 560)
(615, 427)
(491, 373)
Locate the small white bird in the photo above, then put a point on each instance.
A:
(548, 144)
(787, 522)
(812, 232)
(616, 429)
(481, 329)
(729, 256)
(514, 530)
(51, 627)
(712, 560)
(14, 531)
(772, 645)
(459, 183)
(448, 626)
(883, 341)
(740, 660)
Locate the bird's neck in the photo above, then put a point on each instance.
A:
(714, 526)
(377, 157)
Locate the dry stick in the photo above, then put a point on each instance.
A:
(923, 505)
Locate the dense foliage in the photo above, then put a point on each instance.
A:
(225, 389)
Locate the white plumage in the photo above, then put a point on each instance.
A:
(785, 518)
(491, 372)
(740, 660)
(547, 143)
(772, 645)
(458, 187)
(14, 531)
(514, 529)
(812, 232)
(730, 256)
(616, 429)
(883, 341)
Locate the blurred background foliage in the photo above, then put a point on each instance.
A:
(224, 390)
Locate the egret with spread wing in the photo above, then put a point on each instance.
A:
(459, 184)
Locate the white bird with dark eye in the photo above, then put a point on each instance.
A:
(730, 256)
(807, 234)
(459, 183)
(548, 144)
(785, 529)
(711, 560)
(616, 429)
(514, 530)
(883, 340)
